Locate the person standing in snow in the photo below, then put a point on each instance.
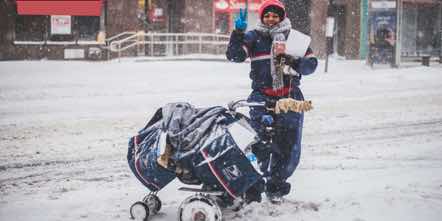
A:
(265, 47)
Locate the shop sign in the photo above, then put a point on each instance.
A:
(222, 4)
(235, 5)
(238, 4)
(60, 24)
(157, 15)
(383, 4)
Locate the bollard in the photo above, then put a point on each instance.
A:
(426, 61)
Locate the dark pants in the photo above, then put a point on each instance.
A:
(285, 149)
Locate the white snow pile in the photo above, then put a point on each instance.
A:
(372, 146)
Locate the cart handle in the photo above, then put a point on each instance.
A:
(233, 105)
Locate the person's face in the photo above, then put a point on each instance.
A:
(271, 19)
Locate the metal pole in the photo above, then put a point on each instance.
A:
(330, 23)
(200, 48)
(119, 52)
(176, 45)
(171, 28)
(247, 10)
(151, 45)
(329, 42)
(397, 45)
(326, 60)
(138, 43)
(363, 38)
(440, 33)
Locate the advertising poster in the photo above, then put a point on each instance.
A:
(382, 31)
(60, 25)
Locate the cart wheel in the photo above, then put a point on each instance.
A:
(153, 202)
(199, 208)
(139, 211)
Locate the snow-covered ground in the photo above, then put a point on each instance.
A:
(372, 147)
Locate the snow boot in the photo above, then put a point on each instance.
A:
(276, 191)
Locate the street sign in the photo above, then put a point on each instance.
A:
(330, 27)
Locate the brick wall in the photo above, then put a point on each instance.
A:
(6, 30)
(121, 16)
(353, 29)
(318, 17)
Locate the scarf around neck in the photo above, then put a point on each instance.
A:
(278, 33)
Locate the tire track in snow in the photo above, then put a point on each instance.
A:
(379, 132)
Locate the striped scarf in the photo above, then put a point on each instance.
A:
(278, 33)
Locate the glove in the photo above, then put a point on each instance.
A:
(289, 60)
(307, 66)
(289, 104)
(267, 120)
(241, 20)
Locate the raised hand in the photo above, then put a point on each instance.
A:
(241, 20)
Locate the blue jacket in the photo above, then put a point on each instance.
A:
(257, 46)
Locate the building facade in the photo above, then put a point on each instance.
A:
(34, 29)
(61, 29)
(356, 23)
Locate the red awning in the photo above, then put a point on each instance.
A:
(59, 7)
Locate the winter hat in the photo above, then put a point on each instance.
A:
(274, 6)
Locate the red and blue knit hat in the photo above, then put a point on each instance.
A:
(274, 6)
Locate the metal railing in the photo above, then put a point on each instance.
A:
(130, 33)
(117, 37)
(169, 44)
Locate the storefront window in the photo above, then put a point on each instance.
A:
(427, 27)
(87, 27)
(30, 27)
(419, 30)
(36, 28)
(222, 23)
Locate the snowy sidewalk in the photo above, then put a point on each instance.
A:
(372, 147)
